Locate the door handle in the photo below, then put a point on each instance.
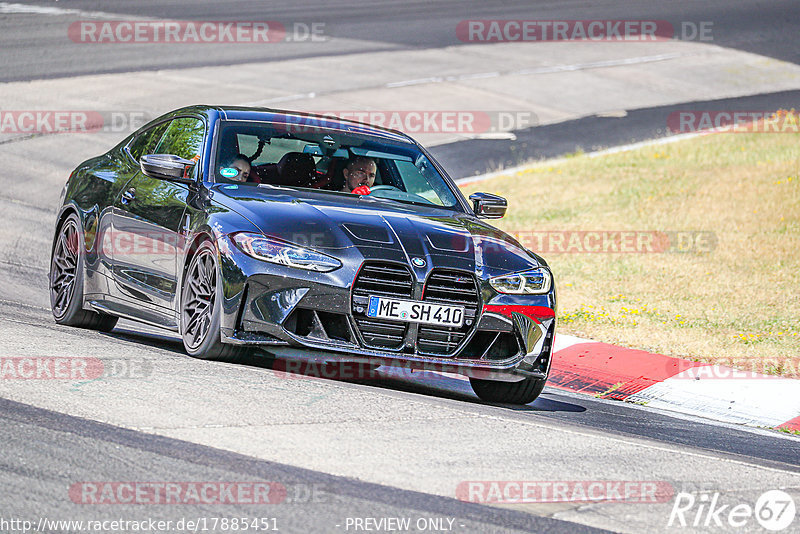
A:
(128, 195)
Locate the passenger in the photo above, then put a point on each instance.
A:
(241, 164)
(359, 175)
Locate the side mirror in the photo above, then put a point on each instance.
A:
(488, 206)
(167, 167)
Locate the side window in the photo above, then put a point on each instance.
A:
(146, 142)
(184, 138)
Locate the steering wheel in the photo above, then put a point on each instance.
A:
(383, 187)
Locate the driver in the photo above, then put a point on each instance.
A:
(359, 175)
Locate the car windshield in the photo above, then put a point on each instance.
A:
(310, 156)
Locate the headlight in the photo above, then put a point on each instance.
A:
(282, 253)
(533, 282)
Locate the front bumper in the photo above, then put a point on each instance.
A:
(264, 306)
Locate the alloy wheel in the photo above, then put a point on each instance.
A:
(64, 269)
(199, 299)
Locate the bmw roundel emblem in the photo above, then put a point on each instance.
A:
(418, 262)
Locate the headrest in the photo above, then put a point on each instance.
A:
(297, 169)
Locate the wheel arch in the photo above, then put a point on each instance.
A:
(198, 240)
(200, 236)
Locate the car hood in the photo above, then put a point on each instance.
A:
(381, 229)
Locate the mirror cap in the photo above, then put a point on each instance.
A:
(167, 167)
(488, 206)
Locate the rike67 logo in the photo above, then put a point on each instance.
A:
(774, 510)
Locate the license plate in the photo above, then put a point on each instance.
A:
(415, 312)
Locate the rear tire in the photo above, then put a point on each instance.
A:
(201, 310)
(522, 392)
(66, 281)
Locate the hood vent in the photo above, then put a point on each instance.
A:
(372, 234)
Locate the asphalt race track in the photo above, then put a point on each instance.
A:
(349, 453)
(764, 28)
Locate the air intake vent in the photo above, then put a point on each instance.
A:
(381, 279)
(448, 287)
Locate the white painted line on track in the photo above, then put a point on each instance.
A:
(606, 151)
(430, 378)
(287, 98)
(24, 9)
(562, 341)
(761, 400)
(554, 161)
(540, 70)
(672, 412)
(552, 69)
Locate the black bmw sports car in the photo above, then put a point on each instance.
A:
(307, 238)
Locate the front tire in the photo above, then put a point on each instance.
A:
(66, 281)
(201, 310)
(523, 392)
